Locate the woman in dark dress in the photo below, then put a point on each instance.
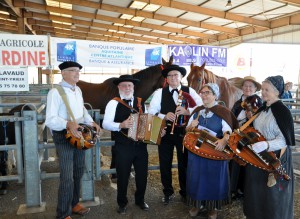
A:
(275, 123)
(208, 180)
(249, 86)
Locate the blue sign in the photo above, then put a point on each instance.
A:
(66, 51)
(187, 54)
(153, 56)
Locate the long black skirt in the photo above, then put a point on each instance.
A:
(263, 202)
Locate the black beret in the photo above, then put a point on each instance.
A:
(173, 67)
(123, 78)
(69, 64)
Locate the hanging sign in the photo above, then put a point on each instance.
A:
(23, 50)
(14, 79)
(184, 55)
(105, 54)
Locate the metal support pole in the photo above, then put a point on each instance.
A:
(32, 167)
(19, 148)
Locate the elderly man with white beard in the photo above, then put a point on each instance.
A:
(128, 152)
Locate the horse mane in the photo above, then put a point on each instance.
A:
(210, 77)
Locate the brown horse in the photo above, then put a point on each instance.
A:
(98, 95)
(199, 76)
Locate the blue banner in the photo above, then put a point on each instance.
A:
(184, 55)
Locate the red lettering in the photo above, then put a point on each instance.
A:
(5, 57)
(42, 58)
(241, 62)
(23, 58)
(16, 58)
(33, 58)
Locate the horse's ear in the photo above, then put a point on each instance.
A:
(203, 65)
(163, 61)
(171, 60)
(192, 65)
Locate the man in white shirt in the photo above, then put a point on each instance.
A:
(128, 152)
(71, 159)
(164, 105)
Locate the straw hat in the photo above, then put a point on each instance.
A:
(240, 83)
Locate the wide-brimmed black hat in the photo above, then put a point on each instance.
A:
(173, 67)
(69, 64)
(123, 78)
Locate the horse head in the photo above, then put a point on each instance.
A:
(199, 76)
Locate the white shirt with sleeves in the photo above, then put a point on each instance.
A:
(155, 104)
(109, 116)
(56, 111)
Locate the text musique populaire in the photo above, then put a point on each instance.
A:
(24, 58)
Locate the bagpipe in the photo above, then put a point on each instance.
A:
(240, 142)
(88, 139)
(185, 100)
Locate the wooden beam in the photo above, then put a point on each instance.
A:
(20, 3)
(209, 12)
(292, 2)
(19, 13)
(152, 15)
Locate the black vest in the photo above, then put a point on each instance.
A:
(122, 113)
(167, 101)
(168, 105)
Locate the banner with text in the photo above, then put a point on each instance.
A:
(23, 50)
(105, 54)
(14, 79)
(184, 55)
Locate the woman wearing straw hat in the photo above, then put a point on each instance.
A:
(249, 86)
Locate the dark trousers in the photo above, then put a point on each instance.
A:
(237, 176)
(128, 154)
(113, 160)
(165, 152)
(71, 164)
(3, 168)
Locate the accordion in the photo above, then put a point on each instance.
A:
(146, 128)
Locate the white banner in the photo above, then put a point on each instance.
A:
(105, 54)
(23, 50)
(14, 79)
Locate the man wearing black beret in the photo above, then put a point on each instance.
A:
(164, 105)
(71, 159)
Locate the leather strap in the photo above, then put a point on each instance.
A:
(248, 122)
(125, 104)
(63, 95)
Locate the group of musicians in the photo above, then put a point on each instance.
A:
(204, 183)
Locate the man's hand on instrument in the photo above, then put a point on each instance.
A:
(98, 129)
(73, 128)
(220, 144)
(170, 116)
(260, 146)
(126, 124)
(181, 111)
(163, 132)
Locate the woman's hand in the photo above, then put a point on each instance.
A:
(193, 125)
(220, 144)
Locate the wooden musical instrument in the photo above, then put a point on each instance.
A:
(201, 143)
(179, 103)
(240, 143)
(146, 128)
(88, 140)
(251, 103)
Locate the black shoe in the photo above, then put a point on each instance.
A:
(144, 206)
(122, 210)
(167, 199)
